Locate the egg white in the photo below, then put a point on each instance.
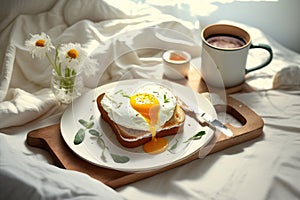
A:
(116, 103)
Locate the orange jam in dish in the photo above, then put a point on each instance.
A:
(176, 57)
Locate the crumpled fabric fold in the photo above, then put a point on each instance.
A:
(112, 35)
(33, 179)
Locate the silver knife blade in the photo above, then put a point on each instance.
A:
(215, 123)
(203, 117)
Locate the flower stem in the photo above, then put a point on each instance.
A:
(52, 64)
(68, 80)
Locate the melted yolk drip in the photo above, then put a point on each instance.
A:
(148, 106)
(156, 146)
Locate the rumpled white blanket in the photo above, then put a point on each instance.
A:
(23, 177)
(263, 169)
(126, 41)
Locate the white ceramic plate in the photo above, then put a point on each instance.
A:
(105, 150)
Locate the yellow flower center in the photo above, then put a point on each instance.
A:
(72, 53)
(40, 43)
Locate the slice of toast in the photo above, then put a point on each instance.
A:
(133, 138)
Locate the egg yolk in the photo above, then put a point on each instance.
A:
(148, 106)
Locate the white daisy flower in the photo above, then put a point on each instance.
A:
(39, 45)
(71, 56)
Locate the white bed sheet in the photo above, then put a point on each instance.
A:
(264, 168)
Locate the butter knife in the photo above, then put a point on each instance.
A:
(203, 117)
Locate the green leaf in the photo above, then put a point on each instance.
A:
(83, 122)
(86, 124)
(101, 143)
(118, 91)
(166, 100)
(119, 159)
(200, 133)
(125, 95)
(94, 132)
(91, 117)
(103, 157)
(79, 137)
(174, 146)
(90, 125)
(197, 136)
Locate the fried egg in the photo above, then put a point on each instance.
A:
(138, 107)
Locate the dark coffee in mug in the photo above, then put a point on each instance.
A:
(224, 51)
(225, 41)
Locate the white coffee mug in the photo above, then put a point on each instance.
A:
(224, 51)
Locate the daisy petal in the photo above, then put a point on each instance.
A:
(71, 56)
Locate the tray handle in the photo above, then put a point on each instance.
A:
(252, 124)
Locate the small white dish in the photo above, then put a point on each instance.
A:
(176, 64)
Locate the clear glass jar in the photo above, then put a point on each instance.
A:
(66, 89)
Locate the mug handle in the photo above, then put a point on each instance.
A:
(265, 47)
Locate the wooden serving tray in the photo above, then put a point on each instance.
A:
(50, 138)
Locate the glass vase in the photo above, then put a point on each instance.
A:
(66, 89)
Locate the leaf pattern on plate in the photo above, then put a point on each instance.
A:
(119, 159)
(116, 158)
(173, 147)
(197, 136)
(80, 135)
(94, 132)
